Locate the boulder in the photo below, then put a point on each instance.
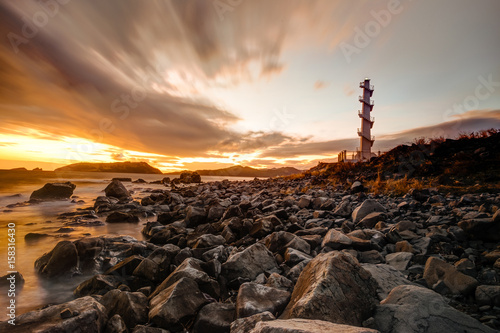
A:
(188, 177)
(177, 304)
(54, 191)
(84, 314)
(485, 229)
(399, 260)
(306, 326)
(413, 309)
(195, 216)
(245, 325)
(370, 220)
(190, 268)
(117, 190)
(488, 295)
(335, 288)
(249, 263)
(61, 261)
(214, 318)
(132, 307)
(368, 206)
(335, 239)
(437, 270)
(97, 285)
(255, 298)
(116, 325)
(280, 282)
(121, 217)
(343, 209)
(387, 278)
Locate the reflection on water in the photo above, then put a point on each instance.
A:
(42, 218)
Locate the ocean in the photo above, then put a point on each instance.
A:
(16, 188)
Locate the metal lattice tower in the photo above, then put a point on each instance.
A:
(366, 139)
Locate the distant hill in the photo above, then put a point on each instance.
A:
(119, 167)
(244, 171)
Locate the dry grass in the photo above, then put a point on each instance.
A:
(397, 187)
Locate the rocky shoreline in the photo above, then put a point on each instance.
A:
(278, 256)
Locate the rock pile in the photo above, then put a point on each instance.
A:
(285, 256)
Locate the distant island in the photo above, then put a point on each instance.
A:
(117, 167)
(244, 171)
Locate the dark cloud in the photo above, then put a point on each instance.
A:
(469, 122)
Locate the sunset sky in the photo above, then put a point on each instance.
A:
(197, 84)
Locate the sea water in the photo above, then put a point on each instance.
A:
(16, 188)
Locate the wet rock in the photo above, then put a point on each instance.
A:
(125, 267)
(306, 326)
(148, 329)
(245, 325)
(61, 261)
(12, 278)
(254, 298)
(190, 177)
(249, 263)
(190, 268)
(132, 307)
(116, 325)
(209, 240)
(368, 206)
(333, 287)
(97, 285)
(195, 216)
(416, 309)
(84, 315)
(437, 270)
(177, 304)
(34, 236)
(121, 217)
(53, 191)
(214, 318)
(117, 190)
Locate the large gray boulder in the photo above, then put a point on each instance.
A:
(176, 305)
(255, 298)
(413, 309)
(81, 315)
(62, 261)
(333, 287)
(132, 307)
(214, 318)
(306, 326)
(387, 278)
(368, 206)
(54, 191)
(249, 263)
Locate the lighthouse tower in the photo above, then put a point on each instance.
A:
(366, 139)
